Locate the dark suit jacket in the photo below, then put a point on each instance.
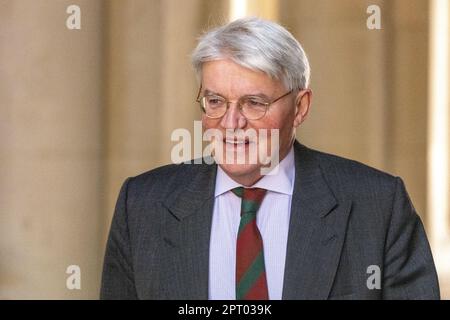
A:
(345, 217)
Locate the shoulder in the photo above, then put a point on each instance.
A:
(347, 177)
(166, 179)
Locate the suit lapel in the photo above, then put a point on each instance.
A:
(316, 232)
(186, 234)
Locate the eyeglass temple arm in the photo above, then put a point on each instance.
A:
(198, 94)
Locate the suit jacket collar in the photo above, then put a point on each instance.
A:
(194, 188)
(316, 232)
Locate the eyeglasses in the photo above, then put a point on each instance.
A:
(251, 107)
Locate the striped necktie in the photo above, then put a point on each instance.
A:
(251, 283)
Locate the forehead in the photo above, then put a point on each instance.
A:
(227, 77)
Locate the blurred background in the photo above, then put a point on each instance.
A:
(81, 110)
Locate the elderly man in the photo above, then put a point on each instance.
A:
(317, 227)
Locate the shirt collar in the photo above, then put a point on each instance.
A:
(282, 182)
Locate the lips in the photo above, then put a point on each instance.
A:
(236, 141)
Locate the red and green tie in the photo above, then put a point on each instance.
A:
(251, 283)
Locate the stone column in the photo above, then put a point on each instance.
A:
(51, 148)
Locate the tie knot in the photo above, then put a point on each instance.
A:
(251, 198)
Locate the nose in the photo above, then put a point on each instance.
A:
(233, 119)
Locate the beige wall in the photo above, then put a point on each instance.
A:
(51, 148)
(82, 110)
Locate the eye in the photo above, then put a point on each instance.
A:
(214, 101)
(254, 102)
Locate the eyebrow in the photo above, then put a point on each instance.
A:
(260, 95)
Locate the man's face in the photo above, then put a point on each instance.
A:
(232, 81)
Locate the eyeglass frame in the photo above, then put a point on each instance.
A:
(266, 104)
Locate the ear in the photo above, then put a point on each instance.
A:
(302, 105)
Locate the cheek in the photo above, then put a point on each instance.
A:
(282, 121)
(205, 122)
(209, 123)
(285, 124)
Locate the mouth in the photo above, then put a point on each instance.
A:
(236, 142)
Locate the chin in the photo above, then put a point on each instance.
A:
(241, 171)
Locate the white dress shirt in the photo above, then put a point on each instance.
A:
(273, 223)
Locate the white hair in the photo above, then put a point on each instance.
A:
(259, 45)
